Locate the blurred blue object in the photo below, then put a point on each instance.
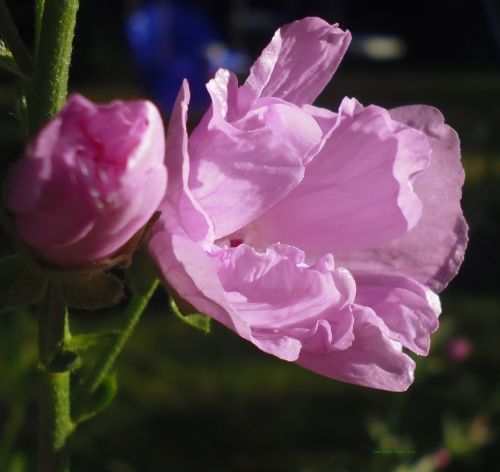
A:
(171, 41)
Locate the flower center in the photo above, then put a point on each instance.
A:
(235, 242)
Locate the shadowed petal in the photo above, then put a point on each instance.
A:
(409, 309)
(433, 251)
(372, 360)
(181, 213)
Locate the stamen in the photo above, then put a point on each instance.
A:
(235, 242)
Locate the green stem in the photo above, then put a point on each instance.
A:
(50, 83)
(54, 421)
(9, 33)
(105, 361)
(55, 424)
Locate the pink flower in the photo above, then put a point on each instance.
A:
(90, 179)
(320, 237)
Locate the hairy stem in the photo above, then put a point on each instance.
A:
(50, 82)
(55, 424)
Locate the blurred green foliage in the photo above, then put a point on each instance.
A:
(190, 401)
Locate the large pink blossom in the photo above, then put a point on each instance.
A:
(320, 237)
(91, 178)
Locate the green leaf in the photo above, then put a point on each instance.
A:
(141, 273)
(21, 283)
(196, 320)
(101, 399)
(39, 8)
(91, 291)
(81, 342)
(7, 61)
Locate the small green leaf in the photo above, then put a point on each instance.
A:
(7, 61)
(21, 283)
(101, 399)
(81, 342)
(141, 273)
(91, 291)
(196, 320)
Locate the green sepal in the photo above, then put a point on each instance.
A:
(92, 290)
(21, 283)
(101, 398)
(82, 342)
(141, 273)
(195, 320)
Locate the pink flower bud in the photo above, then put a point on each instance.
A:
(459, 349)
(90, 179)
(442, 459)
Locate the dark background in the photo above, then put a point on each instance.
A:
(194, 402)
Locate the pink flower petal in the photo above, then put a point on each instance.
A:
(240, 168)
(35, 200)
(298, 62)
(276, 289)
(285, 302)
(325, 118)
(372, 360)
(277, 344)
(409, 310)
(332, 332)
(357, 191)
(434, 250)
(192, 273)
